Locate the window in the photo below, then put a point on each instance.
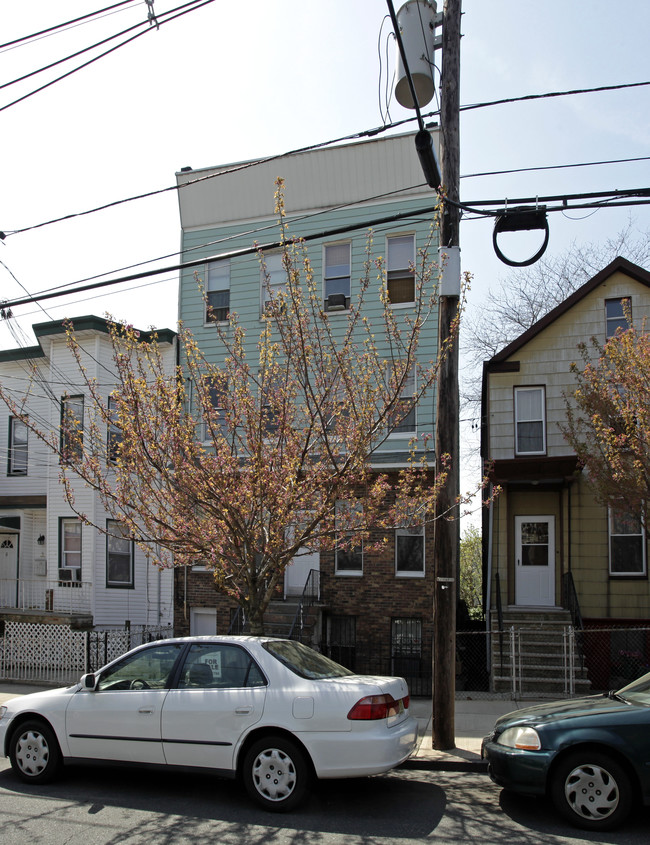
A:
(17, 464)
(615, 316)
(217, 291)
(114, 436)
(218, 666)
(406, 649)
(404, 413)
(530, 423)
(337, 277)
(147, 669)
(119, 555)
(216, 390)
(627, 547)
(409, 552)
(72, 424)
(274, 280)
(349, 558)
(401, 276)
(69, 549)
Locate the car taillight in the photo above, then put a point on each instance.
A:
(377, 707)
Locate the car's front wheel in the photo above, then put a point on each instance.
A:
(592, 790)
(276, 773)
(34, 752)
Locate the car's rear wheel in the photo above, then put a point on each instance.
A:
(34, 752)
(276, 773)
(592, 790)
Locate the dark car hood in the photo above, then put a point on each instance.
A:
(577, 707)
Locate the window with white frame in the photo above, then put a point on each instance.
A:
(217, 291)
(337, 276)
(114, 435)
(530, 421)
(69, 549)
(403, 416)
(119, 555)
(627, 546)
(348, 556)
(616, 316)
(409, 552)
(273, 277)
(17, 464)
(72, 424)
(400, 269)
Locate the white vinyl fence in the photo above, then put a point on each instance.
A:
(57, 655)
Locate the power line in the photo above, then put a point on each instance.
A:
(63, 25)
(554, 167)
(368, 133)
(195, 4)
(603, 197)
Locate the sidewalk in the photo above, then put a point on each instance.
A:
(473, 720)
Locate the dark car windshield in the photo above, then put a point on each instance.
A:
(304, 661)
(638, 691)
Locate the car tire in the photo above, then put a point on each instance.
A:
(276, 773)
(592, 790)
(34, 752)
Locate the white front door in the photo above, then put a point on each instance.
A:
(8, 569)
(535, 560)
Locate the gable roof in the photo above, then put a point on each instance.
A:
(619, 264)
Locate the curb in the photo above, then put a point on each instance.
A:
(430, 765)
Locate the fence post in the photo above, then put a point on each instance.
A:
(513, 661)
(572, 661)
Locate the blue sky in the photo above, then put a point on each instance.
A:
(243, 80)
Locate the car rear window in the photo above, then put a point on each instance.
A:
(304, 661)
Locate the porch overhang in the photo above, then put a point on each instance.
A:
(535, 471)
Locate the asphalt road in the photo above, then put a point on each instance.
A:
(92, 806)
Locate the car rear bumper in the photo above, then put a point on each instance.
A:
(371, 750)
(520, 771)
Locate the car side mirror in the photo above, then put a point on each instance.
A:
(88, 681)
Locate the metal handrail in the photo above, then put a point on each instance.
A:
(310, 594)
(570, 599)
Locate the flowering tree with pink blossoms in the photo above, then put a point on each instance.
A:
(245, 464)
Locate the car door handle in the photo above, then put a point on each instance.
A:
(243, 711)
(145, 710)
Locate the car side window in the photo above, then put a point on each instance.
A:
(219, 666)
(147, 669)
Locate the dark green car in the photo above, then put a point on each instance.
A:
(590, 755)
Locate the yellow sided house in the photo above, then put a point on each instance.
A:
(565, 582)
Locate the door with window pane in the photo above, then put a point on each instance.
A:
(535, 560)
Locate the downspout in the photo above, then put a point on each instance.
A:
(488, 597)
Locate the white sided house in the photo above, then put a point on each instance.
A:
(53, 568)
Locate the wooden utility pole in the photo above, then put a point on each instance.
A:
(447, 531)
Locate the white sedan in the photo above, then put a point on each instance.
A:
(273, 712)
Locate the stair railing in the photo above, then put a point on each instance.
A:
(310, 595)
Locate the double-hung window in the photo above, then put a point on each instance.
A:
(216, 391)
(119, 555)
(530, 421)
(273, 278)
(400, 269)
(349, 557)
(409, 552)
(114, 434)
(337, 277)
(17, 464)
(72, 424)
(217, 291)
(69, 549)
(627, 545)
(616, 316)
(403, 416)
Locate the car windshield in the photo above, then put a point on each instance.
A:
(638, 691)
(304, 661)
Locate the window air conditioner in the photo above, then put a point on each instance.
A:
(336, 302)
